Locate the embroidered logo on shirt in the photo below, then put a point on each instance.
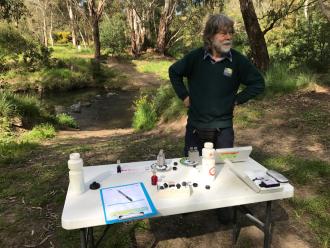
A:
(228, 72)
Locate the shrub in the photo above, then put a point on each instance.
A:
(302, 42)
(13, 45)
(62, 37)
(145, 116)
(7, 108)
(113, 34)
(65, 120)
(25, 107)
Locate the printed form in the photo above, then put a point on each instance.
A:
(126, 202)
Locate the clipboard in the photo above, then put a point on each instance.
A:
(126, 202)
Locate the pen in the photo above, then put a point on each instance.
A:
(126, 196)
(128, 216)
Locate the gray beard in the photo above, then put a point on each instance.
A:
(222, 47)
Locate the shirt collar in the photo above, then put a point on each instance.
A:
(224, 56)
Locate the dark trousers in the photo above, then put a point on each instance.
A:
(220, 137)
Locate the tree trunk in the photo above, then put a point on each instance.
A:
(96, 39)
(161, 38)
(72, 23)
(138, 32)
(51, 29)
(82, 38)
(44, 28)
(95, 14)
(256, 37)
(164, 23)
(306, 9)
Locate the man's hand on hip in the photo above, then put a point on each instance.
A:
(186, 102)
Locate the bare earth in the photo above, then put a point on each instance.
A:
(279, 131)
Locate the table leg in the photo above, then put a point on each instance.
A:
(267, 227)
(83, 243)
(236, 227)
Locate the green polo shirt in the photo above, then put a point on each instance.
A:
(212, 87)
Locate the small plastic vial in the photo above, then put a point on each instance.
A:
(118, 166)
(191, 154)
(154, 178)
(196, 154)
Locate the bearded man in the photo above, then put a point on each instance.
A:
(214, 74)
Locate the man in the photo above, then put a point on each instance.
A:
(214, 74)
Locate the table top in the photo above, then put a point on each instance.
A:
(86, 210)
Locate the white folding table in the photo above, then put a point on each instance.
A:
(85, 211)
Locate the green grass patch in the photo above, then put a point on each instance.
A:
(247, 115)
(317, 209)
(65, 52)
(65, 120)
(13, 152)
(38, 133)
(167, 104)
(145, 116)
(301, 171)
(280, 79)
(158, 67)
(72, 69)
(316, 119)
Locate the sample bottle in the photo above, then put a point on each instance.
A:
(76, 174)
(191, 154)
(154, 178)
(208, 163)
(196, 155)
(161, 158)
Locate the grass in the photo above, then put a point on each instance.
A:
(247, 115)
(38, 133)
(280, 79)
(13, 152)
(70, 69)
(316, 119)
(316, 208)
(145, 116)
(158, 67)
(301, 171)
(65, 120)
(66, 52)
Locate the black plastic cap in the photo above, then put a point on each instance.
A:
(94, 186)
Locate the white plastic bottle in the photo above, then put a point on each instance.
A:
(76, 174)
(208, 163)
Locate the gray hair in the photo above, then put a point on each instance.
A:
(215, 24)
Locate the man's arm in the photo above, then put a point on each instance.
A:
(252, 79)
(177, 71)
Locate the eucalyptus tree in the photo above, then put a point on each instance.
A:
(168, 11)
(255, 35)
(12, 10)
(95, 12)
(141, 18)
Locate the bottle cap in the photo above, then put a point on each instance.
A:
(208, 145)
(75, 155)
